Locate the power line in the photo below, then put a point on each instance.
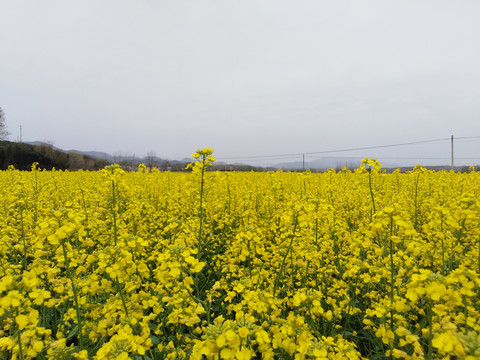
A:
(266, 160)
(378, 147)
(467, 137)
(397, 158)
(273, 157)
(341, 150)
(466, 140)
(383, 158)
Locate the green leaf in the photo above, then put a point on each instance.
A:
(155, 340)
(73, 332)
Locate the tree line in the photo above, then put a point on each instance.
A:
(22, 156)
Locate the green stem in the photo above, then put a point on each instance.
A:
(371, 189)
(114, 211)
(207, 308)
(200, 242)
(229, 196)
(443, 257)
(5, 270)
(392, 283)
(202, 182)
(24, 242)
(430, 332)
(19, 339)
(277, 279)
(120, 291)
(86, 213)
(75, 295)
(415, 224)
(35, 214)
(293, 275)
(443, 244)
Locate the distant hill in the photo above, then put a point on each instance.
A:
(353, 163)
(116, 157)
(321, 164)
(128, 162)
(41, 143)
(23, 155)
(93, 154)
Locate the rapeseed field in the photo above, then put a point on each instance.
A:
(215, 265)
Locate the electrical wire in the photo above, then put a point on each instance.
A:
(339, 150)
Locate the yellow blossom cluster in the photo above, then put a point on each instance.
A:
(215, 265)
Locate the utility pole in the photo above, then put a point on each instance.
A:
(20, 133)
(453, 164)
(303, 157)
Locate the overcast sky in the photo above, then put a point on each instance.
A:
(246, 77)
